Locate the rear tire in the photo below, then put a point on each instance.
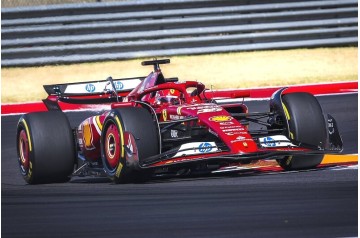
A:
(45, 147)
(307, 125)
(115, 147)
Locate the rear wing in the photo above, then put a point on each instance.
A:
(123, 86)
(92, 92)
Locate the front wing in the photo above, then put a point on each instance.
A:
(218, 152)
(165, 159)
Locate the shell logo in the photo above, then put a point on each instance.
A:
(221, 118)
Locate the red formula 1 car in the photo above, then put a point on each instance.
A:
(155, 125)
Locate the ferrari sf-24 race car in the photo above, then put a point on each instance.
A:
(154, 126)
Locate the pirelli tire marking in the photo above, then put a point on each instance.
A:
(121, 133)
(287, 115)
(291, 135)
(24, 149)
(27, 132)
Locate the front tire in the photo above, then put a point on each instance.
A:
(45, 147)
(307, 125)
(129, 136)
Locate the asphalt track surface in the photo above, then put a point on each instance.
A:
(318, 203)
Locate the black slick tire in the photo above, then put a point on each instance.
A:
(45, 147)
(307, 125)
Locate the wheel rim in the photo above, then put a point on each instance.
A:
(23, 147)
(112, 146)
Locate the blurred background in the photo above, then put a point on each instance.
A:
(224, 43)
(23, 3)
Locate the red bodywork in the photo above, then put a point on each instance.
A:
(171, 101)
(215, 117)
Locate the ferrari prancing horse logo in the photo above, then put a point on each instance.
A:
(164, 114)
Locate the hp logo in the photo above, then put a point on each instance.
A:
(205, 147)
(90, 87)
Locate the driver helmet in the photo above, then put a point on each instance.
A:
(169, 96)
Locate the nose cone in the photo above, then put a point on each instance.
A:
(230, 131)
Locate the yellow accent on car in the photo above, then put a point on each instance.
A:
(111, 155)
(97, 119)
(121, 136)
(27, 133)
(178, 110)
